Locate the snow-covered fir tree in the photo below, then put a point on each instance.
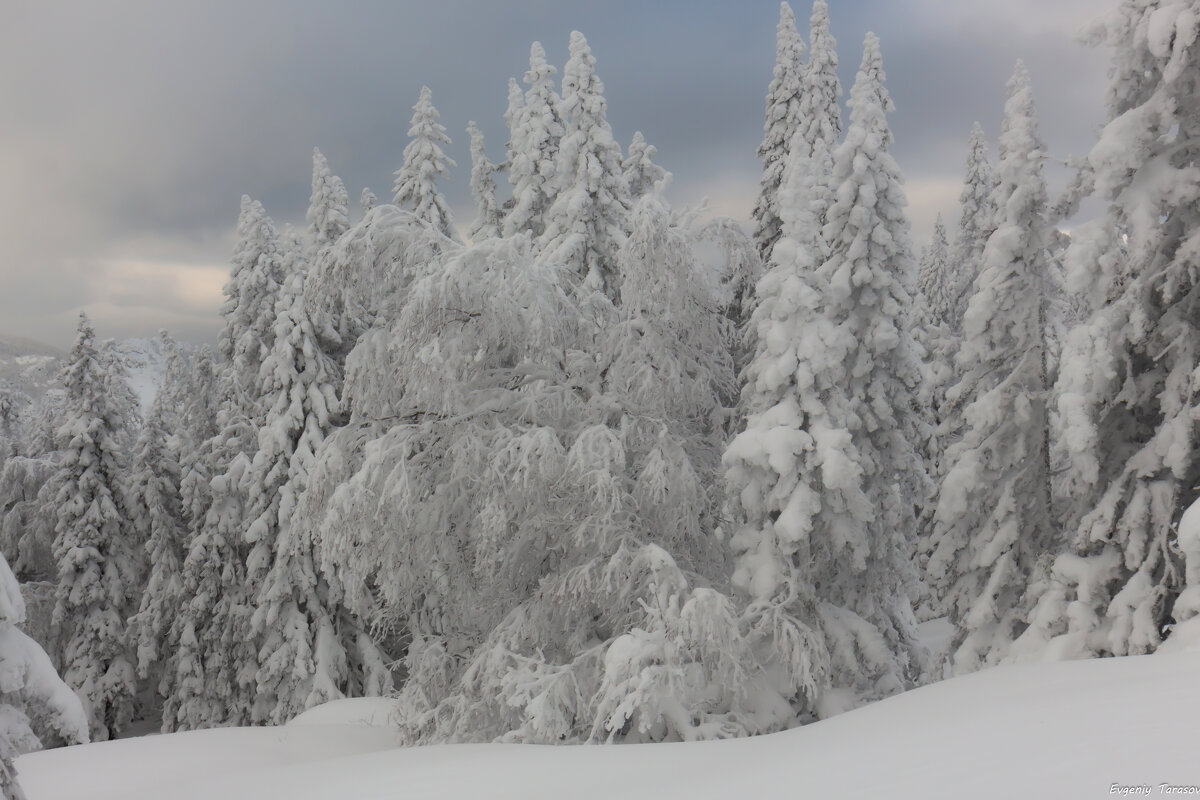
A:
(641, 173)
(97, 572)
(367, 200)
(215, 659)
(977, 222)
(993, 520)
(512, 117)
(215, 656)
(310, 650)
(935, 275)
(536, 127)
(13, 402)
(249, 307)
(328, 207)
(820, 112)
(425, 162)
(823, 478)
(781, 123)
(935, 314)
(820, 118)
(36, 706)
(156, 519)
(488, 215)
(1127, 389)
(585, 226)
(28, 514)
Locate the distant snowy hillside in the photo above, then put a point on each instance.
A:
(145, 365)
(32, 367)
(1080, 729)
(28, 366)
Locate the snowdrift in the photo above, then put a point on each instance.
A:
(1082, 729)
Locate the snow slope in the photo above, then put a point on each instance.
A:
(1055, 730)
(33, 367)
(145, 367)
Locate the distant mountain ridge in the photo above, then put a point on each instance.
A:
(29, 366)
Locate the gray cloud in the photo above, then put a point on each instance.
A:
(131, 128)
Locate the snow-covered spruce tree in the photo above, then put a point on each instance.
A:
(976, 223)
(512, 147)
(1127, 388)
(935, 316)
(424, 162)
(215, 658)
(824, 479)
(367, 200)
(27, 517)
(935, 275)
(156, 519)
(993, 520)
(328, 207)
(512, 116)
(536, 127)
(36, 707)
(781, 123)
(820, 111)
(310, 650)
(13, 402)
(27, 510)
(249, 307)
(641, 173)
(97, 574)
(488, 215)
(820, 116)
(585, 225)
(124, 405)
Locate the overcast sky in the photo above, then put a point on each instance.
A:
(128, 131)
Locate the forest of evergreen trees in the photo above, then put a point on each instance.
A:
(602, 470)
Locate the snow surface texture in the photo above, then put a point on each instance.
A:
(1060, 730)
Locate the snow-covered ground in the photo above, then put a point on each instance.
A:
(1082, 729)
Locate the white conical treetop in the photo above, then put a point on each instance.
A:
(585, 226)
(512, 118)
(825, 475)
(424, 163)
(483, 188)
(641, 173)
(534, 146)
(250, 295)
(977, 221)
(820, 110)
(781, 123)
(936, 276)
(367, 200)
(97, 577)
(328, 207)
(993, 517)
